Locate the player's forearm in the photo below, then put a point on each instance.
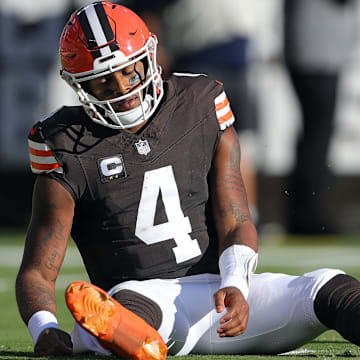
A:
(243, 234)
(34, 293)
(229, 199)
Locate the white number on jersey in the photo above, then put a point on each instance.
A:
(162, 181)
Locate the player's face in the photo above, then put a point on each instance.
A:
(118, 84)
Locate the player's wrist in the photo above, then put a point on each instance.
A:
(40, 321)
(237, 282)
(236, 263)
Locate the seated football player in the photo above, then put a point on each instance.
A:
(145, 176)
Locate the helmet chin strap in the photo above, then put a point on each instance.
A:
(133, 117)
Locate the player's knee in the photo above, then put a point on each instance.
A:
(322, 276)
(142, 306)
(337, 306)
(160, 309)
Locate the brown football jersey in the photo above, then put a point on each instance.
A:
(141, 200)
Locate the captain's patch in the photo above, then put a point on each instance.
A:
(111, 168)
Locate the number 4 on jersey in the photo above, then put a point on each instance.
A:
(178, 226)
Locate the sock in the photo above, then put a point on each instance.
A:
(337, 306)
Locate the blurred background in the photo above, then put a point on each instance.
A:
(290, 68)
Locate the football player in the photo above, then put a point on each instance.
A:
(145, 176)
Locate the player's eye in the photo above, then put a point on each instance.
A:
(127, 72)
(106, 93)
(134, 79)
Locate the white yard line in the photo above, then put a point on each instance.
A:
(279, 257)
(300, 258)
(298, 352)
(10, 257)
(344, 257)
(62, 281)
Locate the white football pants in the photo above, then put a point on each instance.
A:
(281, 317)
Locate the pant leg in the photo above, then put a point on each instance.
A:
(84, 342)
(281, 317)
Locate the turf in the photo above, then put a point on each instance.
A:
(293, 256)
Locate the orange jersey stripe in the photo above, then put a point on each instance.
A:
(222, 105)
(226, 117)
(40, 152)
(38, 166)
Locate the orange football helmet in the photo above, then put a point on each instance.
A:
(100, 39)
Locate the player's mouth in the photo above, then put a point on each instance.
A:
(127, 104)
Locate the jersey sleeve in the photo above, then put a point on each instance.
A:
(223, 111)
(56, 164)
(42, 159)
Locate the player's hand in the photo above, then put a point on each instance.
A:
(235, 321)
(53, 341)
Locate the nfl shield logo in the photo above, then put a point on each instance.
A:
(142, 147)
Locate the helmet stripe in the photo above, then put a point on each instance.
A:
(97, 30)
(104, 22)
(89, 36)
(87, 30)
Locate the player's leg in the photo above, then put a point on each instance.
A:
(157, 302)
(186, 304)
(281, 317)
(337, 305)
(117, 328)
(170, 320)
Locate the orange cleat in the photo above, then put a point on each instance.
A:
(116, 327)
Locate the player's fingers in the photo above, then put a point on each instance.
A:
(219, 298)
(233, 323)
(235, 326)
(233, 331)
(227, 317)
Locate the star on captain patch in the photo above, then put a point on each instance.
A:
(142, 147)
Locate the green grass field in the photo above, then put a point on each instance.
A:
(293, 256)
